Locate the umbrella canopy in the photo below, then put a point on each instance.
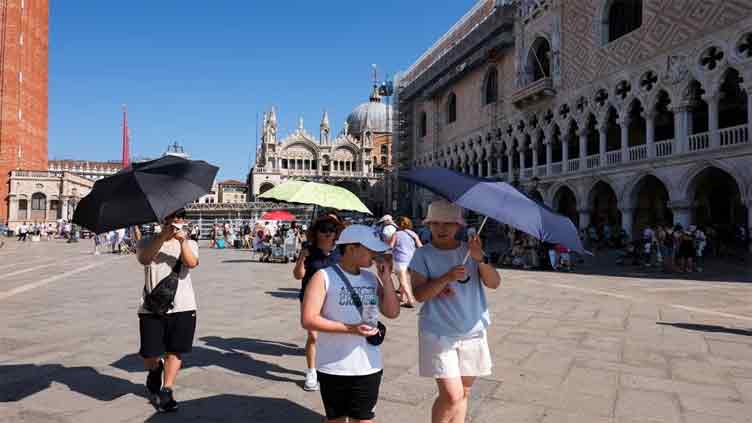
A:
(499, 201)
(312, 193)
(281, 215)
(143, 193)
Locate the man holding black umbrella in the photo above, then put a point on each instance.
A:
(165, 336)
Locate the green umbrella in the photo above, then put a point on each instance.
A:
(322, 195)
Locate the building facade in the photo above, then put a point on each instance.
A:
(44, 197)
(357, 159)
(92, 170)
(23, 90)
(623, 112)
(232, 192)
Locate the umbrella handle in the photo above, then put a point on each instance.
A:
(482, 225)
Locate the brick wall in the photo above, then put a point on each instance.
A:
(24, 29)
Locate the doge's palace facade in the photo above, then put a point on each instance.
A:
(623, 112)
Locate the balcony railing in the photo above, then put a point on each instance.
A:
(734, 136)
(528, 173)
(573, 165)
(664, 148)
(556, 168)
(534, 91)
(593, 162)
(613, 157)
(542, 171)
(35, 174)
(699, 142)
(638, 153)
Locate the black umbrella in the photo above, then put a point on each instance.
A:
(143, 193)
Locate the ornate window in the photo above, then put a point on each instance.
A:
(452, 108)
(38, 201)
(491, 88)
(539, 61)
(622, 17)
(384, 149)
(423, 124)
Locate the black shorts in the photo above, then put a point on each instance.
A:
(350, 396)
(166, 334)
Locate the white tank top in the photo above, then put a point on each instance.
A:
(344, 354)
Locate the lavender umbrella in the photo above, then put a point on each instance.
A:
(499, 201)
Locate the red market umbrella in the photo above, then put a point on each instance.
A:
(282, 215)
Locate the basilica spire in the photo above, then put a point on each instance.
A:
(324, 137)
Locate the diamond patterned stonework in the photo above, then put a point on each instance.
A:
(667, 24)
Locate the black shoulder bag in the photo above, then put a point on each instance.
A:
(161, 299)
(377, 339)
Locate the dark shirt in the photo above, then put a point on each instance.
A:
(316, 261)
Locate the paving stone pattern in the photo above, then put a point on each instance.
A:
(566, 347)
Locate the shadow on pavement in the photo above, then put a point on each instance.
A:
(234, 354)
(19, 381)
(239, 408)
(240, 261)
(603, 263)
(255, 346)
(285, 293)
(708, 328)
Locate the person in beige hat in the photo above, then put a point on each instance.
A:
(453, 347)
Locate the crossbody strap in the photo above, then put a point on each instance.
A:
(354, 295)
(176, 269)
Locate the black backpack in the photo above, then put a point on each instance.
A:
(161, 299)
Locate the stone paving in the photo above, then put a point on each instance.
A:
(567, 347)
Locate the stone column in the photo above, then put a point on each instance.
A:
(583, 147)
(564, 153)
(627, 218)
(12, 209)
(713, 100)
(749, 212)
(510, 162)
(522, 164)
(682, 128)
(650, 135)
(584, 217)
(748, 89)
(499, 161)
(682, 213)
(64, 208)
(535, 160)
(549, 156)
(624, 125)
(602, 143)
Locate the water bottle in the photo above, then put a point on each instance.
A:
(371, 312)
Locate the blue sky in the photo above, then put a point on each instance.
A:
(198, 72)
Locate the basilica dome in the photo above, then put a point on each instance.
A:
(374, 116)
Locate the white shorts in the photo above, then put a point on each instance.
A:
(443, 357)
(398, 267)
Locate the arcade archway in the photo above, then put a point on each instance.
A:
(716, 199)
(565, 202)
(651, 201)
(605, 205)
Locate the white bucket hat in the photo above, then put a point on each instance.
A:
(442, 211)
(363, 235)
(385, 218)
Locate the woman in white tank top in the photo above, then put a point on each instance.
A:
(349, 367)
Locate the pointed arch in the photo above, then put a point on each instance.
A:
(491, 86)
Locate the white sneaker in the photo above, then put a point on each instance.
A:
(311, 381)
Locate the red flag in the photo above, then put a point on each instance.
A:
(126, 140)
